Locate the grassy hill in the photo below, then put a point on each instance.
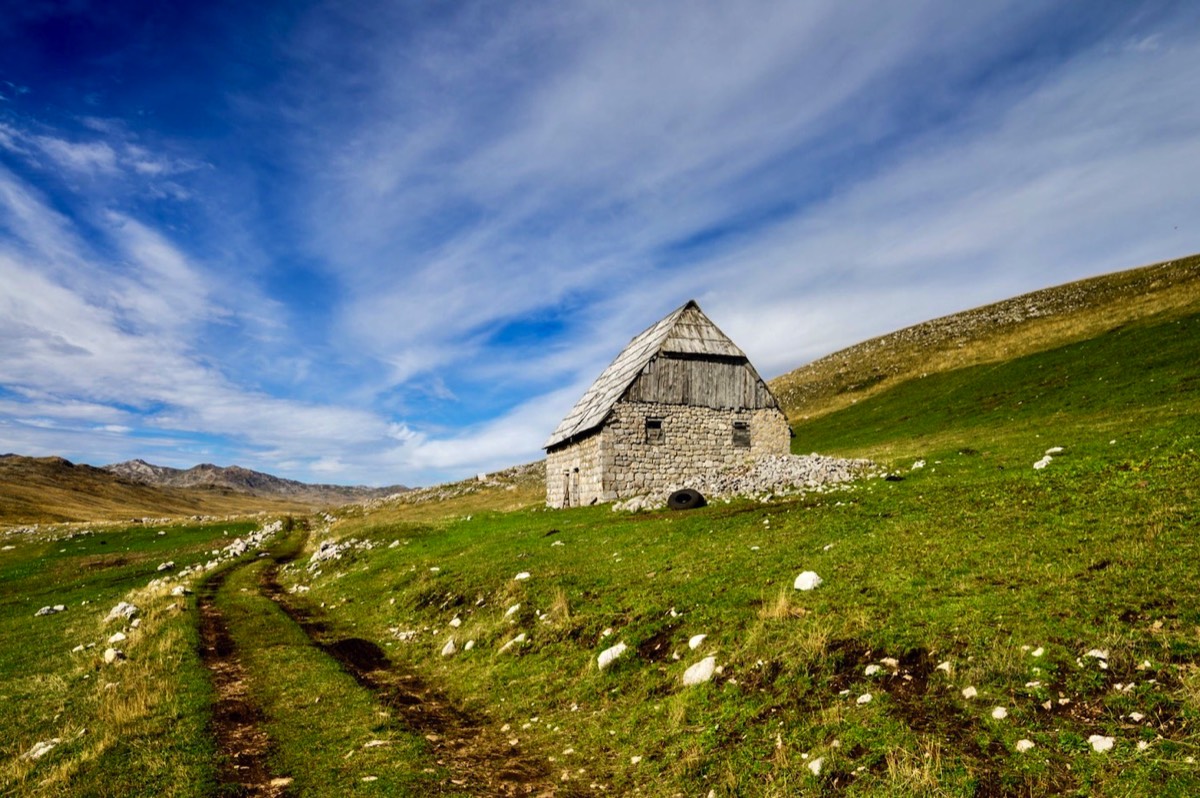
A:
(984, 627)
(994, 333)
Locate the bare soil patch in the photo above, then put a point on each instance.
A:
(236, 723)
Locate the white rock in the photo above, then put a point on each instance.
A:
(521, 576)
(111, 655)
(1097, 653)
(449, 649)
(969, 692)
(609, 655)
(166, 566)
(42, 748)
(1100, 743)
(815, 765)
(1039, 651)
(456, 622)
(865, 698)
(999, 713)
(701, 672)
(516, 641)
(1040, 464)
(808, 580)
(57, 608)
(1054, 450)
(944, 666)
(695, 641)
(512, 610)
(470, 645)
(871, 670)
(180, 590)
(122, 610)
(1136, 717)
(633, 760)
(891, 662)
(917, 465)
(1024, 745)
(1143, 745)
(119, 637)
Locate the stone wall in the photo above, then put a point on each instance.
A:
(695, 440)
(574, 473)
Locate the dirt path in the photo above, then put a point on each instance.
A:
(237, 723)
(481, 760)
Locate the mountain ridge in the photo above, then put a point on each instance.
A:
(243, 480)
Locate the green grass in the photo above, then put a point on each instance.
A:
(136, 728)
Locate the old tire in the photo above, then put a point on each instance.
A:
(686, 499)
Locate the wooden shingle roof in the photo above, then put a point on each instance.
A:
(685, 331)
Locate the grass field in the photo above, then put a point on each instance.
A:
(984, 628)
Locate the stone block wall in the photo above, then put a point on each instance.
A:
(695, 440)
(574, 473)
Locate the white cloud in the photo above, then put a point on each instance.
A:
(85, 157)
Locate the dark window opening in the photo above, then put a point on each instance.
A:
(741, 434)
(654, 430)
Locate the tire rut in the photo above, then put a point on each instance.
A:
(481, 761)
(241, 741)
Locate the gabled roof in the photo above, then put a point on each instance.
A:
(686, 331)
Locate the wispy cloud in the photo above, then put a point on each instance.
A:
(432, 230)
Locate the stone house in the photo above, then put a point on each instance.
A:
(681, 399)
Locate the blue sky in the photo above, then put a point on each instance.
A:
(394, 242)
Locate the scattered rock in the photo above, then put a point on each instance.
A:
(521, 576)
(695, 641)
(969, 692)
(123, 610)
(701, 672)
(865, 698)
(808, 580)
(180, 590)
(609, 655)
(516, 641)
(57, 608)
(111, 655)
(1024, 745)
(42, 748)
(166, 566)
(999, 713)
(449, 649)
(119, 637)
(815, 765)
(1100, 743)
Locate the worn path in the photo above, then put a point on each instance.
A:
(237, 723)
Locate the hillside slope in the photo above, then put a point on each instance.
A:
(1029, 323)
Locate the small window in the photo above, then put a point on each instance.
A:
(654, 430)
(741, 434)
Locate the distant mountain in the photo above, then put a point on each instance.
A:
(51, 489)
(244, 480)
